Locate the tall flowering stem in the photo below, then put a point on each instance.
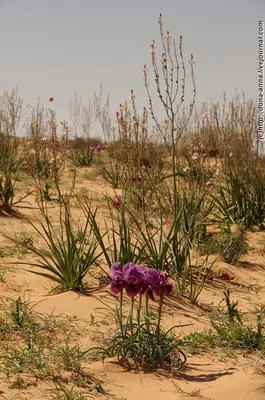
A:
(162, 296)
(131, 315)
(139, 309)
(138, 280)
(169, 75)
(121, 310)
(147, 320)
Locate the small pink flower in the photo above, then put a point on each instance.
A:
(135, 120)
(137, 178)
(168, 37)
(132, 95)
(160, 19)
(144, 112)
(152, 49)
(180, 42)
(163, 58)
(117, 202)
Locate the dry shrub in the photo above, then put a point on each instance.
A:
(46, 155)
(216, 129)
(81, 143)
(12, 112)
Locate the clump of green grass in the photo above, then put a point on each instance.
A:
(228, 331)
(146, 349)
(62, 392)
(70, 357)
(69, 253)
(240, 198)
(32, 347)
(233, 246)
(82, 158)
(114, 174)
(7, 192)
(230, 245)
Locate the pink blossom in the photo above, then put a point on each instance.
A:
(132, 95)
(163, 58)
(168, 37)
(152, 48)
(117, 202)
(160, 19)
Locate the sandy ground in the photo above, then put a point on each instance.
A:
(208, 376)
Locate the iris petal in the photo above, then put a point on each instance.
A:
(132, 288)
(116, 286)
(115, 270)
(167, 288)
(150, 293)
(153, 278)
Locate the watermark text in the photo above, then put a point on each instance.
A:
(261, 67)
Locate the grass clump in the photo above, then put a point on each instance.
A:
(62, 392)
(68, 254)
(31, 348)
(146, 349)
(228, 331)
(230, 245)
(240, 198)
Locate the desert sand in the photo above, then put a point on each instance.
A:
(211, 375)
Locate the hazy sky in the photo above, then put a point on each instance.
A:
(56, 47)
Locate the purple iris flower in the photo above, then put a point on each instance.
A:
(98, 147)
(153, 281)
(115, 269)
(134, 278)
(157, 282)
(153, 278)
(138, 279)
(117, 282)
(144, 168)
(92, 148)
(165, 285)
(167, 288)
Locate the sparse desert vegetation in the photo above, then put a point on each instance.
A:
(133, 262)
